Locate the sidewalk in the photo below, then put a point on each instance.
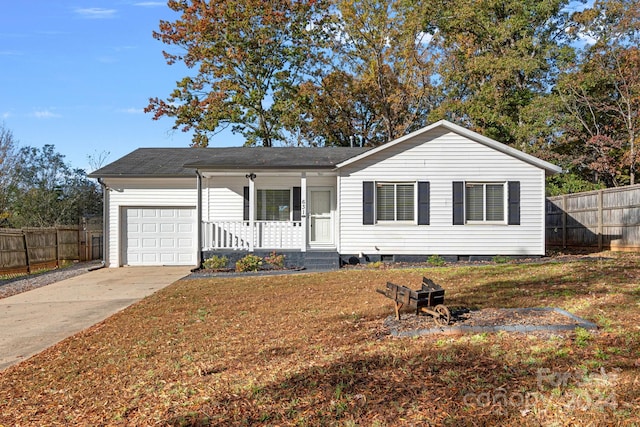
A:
(35, 320)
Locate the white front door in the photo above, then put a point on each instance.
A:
(320, 218)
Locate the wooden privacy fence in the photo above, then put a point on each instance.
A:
(601, 219)
(29, 249)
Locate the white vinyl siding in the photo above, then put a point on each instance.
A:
(143, 193)
(223, 197)
(442, 157)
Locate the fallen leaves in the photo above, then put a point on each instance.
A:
(308, 350)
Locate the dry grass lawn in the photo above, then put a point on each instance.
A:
(310, 350)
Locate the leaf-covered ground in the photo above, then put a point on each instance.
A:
(310, 349)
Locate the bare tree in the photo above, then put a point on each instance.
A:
(7, 165)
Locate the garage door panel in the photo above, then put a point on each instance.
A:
(149, 228)
(185, 228)
(168, 243)
(168, 228)
(185, 243)
(168, 259)
(159, 236)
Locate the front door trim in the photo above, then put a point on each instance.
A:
(327, 218)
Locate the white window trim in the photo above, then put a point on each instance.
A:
(290, 189)
(505, 203)
(395, 211)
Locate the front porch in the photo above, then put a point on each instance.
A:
(267, 211)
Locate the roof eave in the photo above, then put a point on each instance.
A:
(112, 175)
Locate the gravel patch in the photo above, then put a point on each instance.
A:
(21, 284)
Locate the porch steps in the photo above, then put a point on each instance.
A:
(321, 260)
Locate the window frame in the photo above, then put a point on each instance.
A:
(258, 211)
(395, 185)
(485, 206)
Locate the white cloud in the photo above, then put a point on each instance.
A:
(6, 115)
(150, 4)
(10, 53)
(96, 13)
(131, 110)
(45, 114)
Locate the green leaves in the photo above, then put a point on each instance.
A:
(248, 54)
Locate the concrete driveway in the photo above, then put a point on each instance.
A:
(35, 320)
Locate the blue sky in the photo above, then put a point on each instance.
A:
(78, 74)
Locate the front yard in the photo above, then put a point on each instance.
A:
(311, 349)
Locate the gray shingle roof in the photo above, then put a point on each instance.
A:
(177, 162)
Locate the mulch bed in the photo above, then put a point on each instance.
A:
(487, 320)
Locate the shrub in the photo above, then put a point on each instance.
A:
(275, 260)
(375, 264)
(499, 259)
(436, 260)
(215, 262)
(249, 263)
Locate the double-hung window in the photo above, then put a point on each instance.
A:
(273, 205)
(395, 201)
(485, 202)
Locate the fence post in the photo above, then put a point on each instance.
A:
(26, 251)
(600, 219)
(57, 247)
(564, 221)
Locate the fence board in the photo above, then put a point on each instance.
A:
(22, 251)
(602, 219)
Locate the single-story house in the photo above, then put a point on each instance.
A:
(442, 190)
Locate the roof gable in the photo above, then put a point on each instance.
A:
(474, 136)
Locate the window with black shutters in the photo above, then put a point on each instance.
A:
(485, 202)
(395, 202)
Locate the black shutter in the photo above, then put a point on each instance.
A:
(423, 203)
(458, 203)
(245, 209)
(367, 202)
(297, 203)
(514, 203)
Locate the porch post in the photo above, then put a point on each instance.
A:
(303, 210)
(199, 238)
(252, 212)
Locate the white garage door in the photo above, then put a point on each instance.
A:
(159, 236)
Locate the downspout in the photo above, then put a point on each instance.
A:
(199, 219)
(105, 196)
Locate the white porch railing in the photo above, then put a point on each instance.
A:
(237, 235)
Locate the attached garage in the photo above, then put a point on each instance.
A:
(159, 236)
